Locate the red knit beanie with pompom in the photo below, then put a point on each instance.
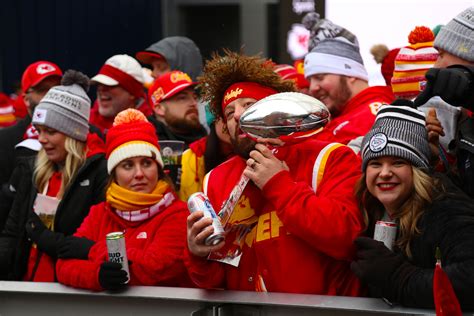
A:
(131, 136)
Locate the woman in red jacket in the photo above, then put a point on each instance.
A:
(141, 203)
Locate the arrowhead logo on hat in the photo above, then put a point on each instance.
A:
(39, 116)
(42, 69)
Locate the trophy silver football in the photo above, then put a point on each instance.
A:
(283, 115)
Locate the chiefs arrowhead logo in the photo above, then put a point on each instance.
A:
(42, 69)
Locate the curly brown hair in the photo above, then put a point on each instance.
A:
(220, 72)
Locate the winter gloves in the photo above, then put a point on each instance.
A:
(454, 84)
(75, 247)
(45, 239)
(381, 268)
(55, 244)
(111, 276)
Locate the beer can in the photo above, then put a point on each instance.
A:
(386, 232)
(117, 250)
(200, 202)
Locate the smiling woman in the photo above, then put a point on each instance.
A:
(141, 202)
(428, 210)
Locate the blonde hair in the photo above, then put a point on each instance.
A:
(424, 189)
(44, 168)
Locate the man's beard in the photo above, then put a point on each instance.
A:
(183, 125)
(341, 98)
(242, 146)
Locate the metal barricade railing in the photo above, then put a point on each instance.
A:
(27, 298)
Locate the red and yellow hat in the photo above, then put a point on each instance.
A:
(167, 85)
(131, 136)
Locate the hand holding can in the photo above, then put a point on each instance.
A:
(200, 202)
(386, 232)
(117, 251)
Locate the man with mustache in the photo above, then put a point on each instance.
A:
(174, 104)
(294, 223)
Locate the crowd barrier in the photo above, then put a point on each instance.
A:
(27, 298)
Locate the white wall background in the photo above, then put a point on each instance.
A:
(389, 22)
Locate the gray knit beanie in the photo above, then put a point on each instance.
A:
(335, 56)
(457, 37)
(398, 131)
(66, 108)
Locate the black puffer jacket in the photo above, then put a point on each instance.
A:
(448, 224)
(86, 189)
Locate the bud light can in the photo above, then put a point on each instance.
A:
(117, 251)
(386, 232)
(200, 202)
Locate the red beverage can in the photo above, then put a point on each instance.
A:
(386, 232)
(200, 202)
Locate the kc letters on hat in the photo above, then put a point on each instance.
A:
(66, 108)
(398, 131)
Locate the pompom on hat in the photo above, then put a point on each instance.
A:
(66, 108)
(412, 62)
(131, 136)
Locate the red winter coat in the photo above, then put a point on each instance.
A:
(357, 117)
(155, 248)
(305, 223)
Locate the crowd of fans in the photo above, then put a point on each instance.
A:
(74, 170)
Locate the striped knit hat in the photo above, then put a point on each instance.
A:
(131, 136)
(412, 62)
(398, 131)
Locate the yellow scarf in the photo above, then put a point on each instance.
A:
(126, 200)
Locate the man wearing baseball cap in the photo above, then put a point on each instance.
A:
(174, 104)
(119, 86)
(20, 140)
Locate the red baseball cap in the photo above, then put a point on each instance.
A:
(37, 72)
(168, 85)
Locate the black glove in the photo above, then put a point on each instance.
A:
(378, 266)
(112, 276)
(34, 228)
(75, 247)
(454, 85)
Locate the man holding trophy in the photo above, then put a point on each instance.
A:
(286, 200)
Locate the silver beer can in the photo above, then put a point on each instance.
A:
(386, 232)
(200, 202)
(117, 250)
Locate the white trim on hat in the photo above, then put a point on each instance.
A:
(130, 150)
(319, 63)
(106, 80)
